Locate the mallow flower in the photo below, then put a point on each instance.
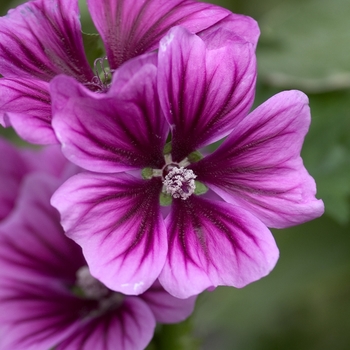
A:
(42, 38)
(49, 299)
(150, 204)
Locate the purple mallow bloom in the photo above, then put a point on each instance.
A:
(198, 90)
(49, 299)
(41, 39)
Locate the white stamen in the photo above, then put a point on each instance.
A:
(180, 183)
(91, 287)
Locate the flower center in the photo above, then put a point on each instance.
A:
(179, 182)
(89, 287)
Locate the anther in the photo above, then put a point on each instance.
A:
(91, 287)
(180, 183)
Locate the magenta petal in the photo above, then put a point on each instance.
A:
(111, 132)
(37, 266)
(36, 222)
(117, 221)
(35, 316)
(16, 164)
(131, 28)
(122, 76)
(206, 87)
(245, 27)
(214, 243)
(259, 166)
(167, 308)
(131, 327)
(25, 104)
(41, 39)
(49, 160)
(12, 170)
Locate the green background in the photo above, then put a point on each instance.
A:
(305, 302)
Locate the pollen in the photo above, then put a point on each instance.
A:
(91, 287)
(180, 183)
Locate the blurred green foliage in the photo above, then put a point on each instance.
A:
(304, 304)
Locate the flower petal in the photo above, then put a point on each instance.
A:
(131, 327)
(130, 28)
(259, 166)
(12, 170)
(112, 132)
(213, 243)
(117, 221)
(165, 307)
(206, 87)
(25, 104)
(35, 316)
(245, 27)
(38, 264)
(16, 164)
(49, 160)
(38, 224)
(41, 39)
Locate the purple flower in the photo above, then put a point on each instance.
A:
(48, 297)
(214, 233)
(41, 39)
(16, 164)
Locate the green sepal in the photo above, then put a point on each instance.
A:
(93, 47)
(194, 157)
(167, 148)
(165, 199)
(200, 188)
(77, 291)
(147, 173)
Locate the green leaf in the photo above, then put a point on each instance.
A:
(302, 305)
(177, 336)
(306, 45)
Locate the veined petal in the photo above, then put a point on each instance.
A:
(25, 105)
(245, 27)
(165, 307)
(12, 170)
(41, 39)
(16, 164)
(131, 28)
(111, 132)
(213, 243)
(49, 160)
(259, 166)
(35, 316)
(122, 76)
(206, 87)
(131, 327)
(37, 223)
(38, 265)
(117, 221)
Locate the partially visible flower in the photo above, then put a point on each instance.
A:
(41, 39)
(17, 163)
(50, 300)
(215, 233)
